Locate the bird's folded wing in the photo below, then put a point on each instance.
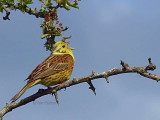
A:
(52, 65)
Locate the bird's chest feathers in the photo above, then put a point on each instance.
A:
(56, 78)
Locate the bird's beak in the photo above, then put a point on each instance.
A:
(72, 48)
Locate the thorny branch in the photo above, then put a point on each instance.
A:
(143, 71)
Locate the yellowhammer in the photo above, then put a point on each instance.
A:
(56, 69)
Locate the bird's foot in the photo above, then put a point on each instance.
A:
(40, 90)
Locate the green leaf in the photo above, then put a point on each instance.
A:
(23, 9)
(26, 2)
(44, 35)
(20, 1)
(48, 3)
(73, 5)
(67, 8)
(3, 2)
(1, 9)
(43, 9)
(12, 7)
(11, 1)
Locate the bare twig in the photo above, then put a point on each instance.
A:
(125, 69)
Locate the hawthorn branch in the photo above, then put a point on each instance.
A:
(15, 6)
(38, 14)
(143, 71)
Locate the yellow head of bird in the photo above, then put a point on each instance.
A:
(62, 47)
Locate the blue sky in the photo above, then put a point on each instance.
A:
(103, 33)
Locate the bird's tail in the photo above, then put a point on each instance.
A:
(27, 86)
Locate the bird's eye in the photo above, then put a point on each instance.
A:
(63, 46)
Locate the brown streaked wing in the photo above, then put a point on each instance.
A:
(52, 65)
(41, 66)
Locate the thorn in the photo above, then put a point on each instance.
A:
(91, 87)
(55, 95)
(149, 60)
(124, 65)
(151, 66)
(106, 77)
(93, 73)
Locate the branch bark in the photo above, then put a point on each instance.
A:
(143, 71)
(27, 9)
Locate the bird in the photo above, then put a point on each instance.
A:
(55, 69)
